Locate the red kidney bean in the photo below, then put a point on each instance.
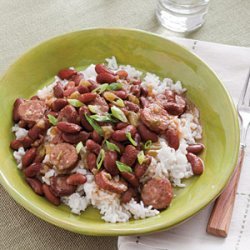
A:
(131, 106)
(68, 127)
(82, 111)
(110, 163)
(35, 131)
(82, 89)
(144, 91)
(29, 157)
(75, 138)
(121, 125)
(120, 135)
(22, 124)
(128, 195)
(93, 146)
(58, 104)
(135, 90)
(137, 139)
(66, 73)
(170, 95)
(104, 181)
(39, 156)
(93, 85)
(76, 179)
(174, 108)
(36, 185)
(50, 196)
(122, 74)
(121, 94)
(87, 97)
(77, 78)
(32, 170)
(172, 137)
(144, 101)
(91, 160)
(34, 97)
(140, 170)
(196, 163)
(129, 156)
(131, 178)
(101, 68)
(16, 144)
(26, 142)
(69, 91)
(58, 90)
(68, 114)
(15, 113)
(147, 134)
(96, 137)
(195, 148)
(105, 78)
(70, 85)
(38, 142)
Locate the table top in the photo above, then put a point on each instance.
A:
(24, 24)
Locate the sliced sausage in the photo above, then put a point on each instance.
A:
(155, 117)
(60, 187)
(157, 192)
(110, 162)
(68, 114)
(129, 156)
(196, 163)
(105, 181)
(63, 156)
(31, 110)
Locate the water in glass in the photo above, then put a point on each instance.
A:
(182, 15)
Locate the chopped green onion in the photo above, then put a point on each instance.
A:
(103, 118)
(123, 167)
(100, 159)
(141, 157)
(148, 144)
(118, 113)
(52, 119)
(76, 103)
(79, 146)
(119, 102)
(115, 86)
(94, 109)
(100, 89)
(94, 125)
(112, 147)
(129, 136)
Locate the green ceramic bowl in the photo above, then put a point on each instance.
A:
(147, 52)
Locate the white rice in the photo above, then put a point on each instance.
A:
(168, 162)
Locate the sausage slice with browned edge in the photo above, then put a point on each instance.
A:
(31, 110)
(63, 156)
(105, 181)
(60, 187)
(157, 192)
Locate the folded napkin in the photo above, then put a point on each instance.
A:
(232, 64)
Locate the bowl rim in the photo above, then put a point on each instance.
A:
(40, 213)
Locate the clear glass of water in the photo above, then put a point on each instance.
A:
(182, 15)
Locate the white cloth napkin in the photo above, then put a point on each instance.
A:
(231, 63)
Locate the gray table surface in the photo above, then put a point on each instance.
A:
(25, 23)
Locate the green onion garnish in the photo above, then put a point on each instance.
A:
(103, 118)
(112, 147)
(100, 159)
(79, 146)
(100, 89)
(141, 157)
(123, 167)
(118, 113)
(115, 86)
(52, 119)
(129, 136)
(148, 144)
(94, 125)
(76, 103)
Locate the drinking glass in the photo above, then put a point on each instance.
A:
(182, 15)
